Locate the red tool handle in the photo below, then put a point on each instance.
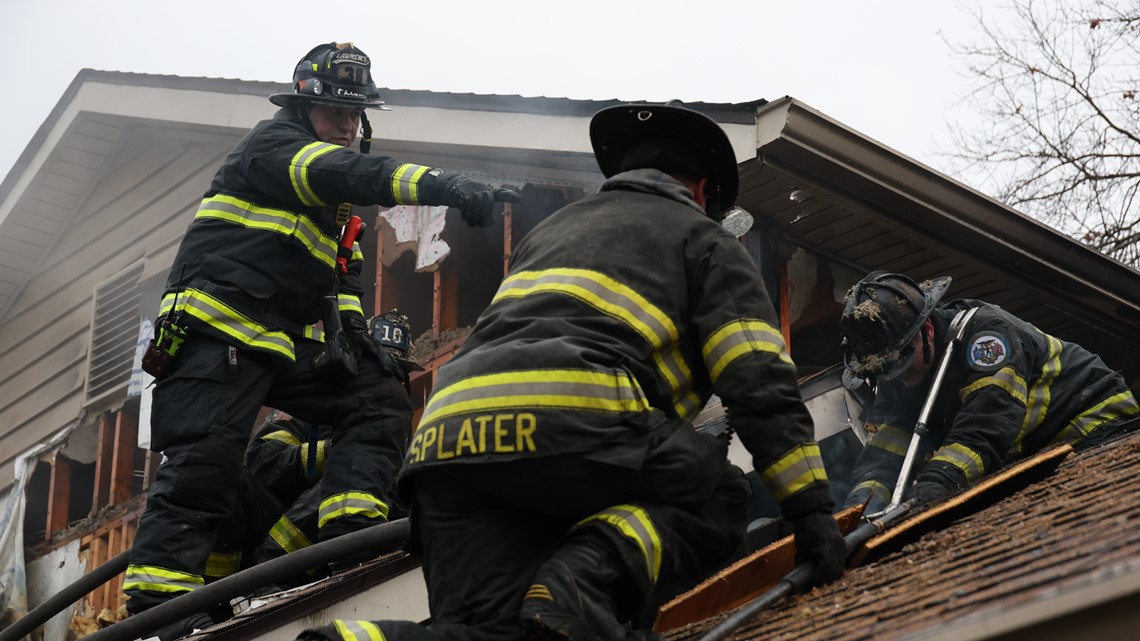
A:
(347, 240)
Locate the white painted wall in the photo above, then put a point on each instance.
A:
(48, 575)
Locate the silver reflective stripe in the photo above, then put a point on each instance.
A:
(876, 488)
(156, 579)
(224, 318)
(619, 301)
(797, 470)
(1006, 379)
(406, 183)
(286, 223)
(893, 439)
(358, 630)
(288, 536)
(532, 389)
(299, 172)
(351, 503)
(634, 523)
(1037, 401)
(1087, 422)
(963, 458)
(741, 337)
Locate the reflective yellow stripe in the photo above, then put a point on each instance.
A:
(1005, 378)
(155, 579)
(282, 436)
(349, 504)
(288, 536)
(1039, 395)
(406, 183)
(349, 303)
(1087, 422)
(358, 630)
(963, 458)
(739, 338)
(891, 438)
(313, 334)
(531, 389)
(229, 321)
(222, 564)
(320, 456)
(356, 253)
(634, 523)
(877, 488)
(619, 301)
(798, 469)
(299, 171)
(279, 221)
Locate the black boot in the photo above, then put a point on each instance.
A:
(575, 594)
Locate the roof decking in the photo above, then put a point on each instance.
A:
(1066, 544)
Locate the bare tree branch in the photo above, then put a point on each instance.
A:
(1060, 93)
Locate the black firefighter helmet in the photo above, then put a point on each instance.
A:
(881, 316)
(334, 74)
(671, 138)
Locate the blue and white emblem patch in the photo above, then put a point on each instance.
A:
(987, 351)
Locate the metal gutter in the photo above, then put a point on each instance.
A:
(900, 193)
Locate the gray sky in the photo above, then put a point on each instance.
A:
(880, 66)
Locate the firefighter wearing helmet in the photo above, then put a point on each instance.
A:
(261, 263)
(1010, 390)
(557, 484)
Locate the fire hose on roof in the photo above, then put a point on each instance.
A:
(382, 538)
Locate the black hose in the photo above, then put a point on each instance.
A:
(43, 612)
(381, 538)
(800, 578)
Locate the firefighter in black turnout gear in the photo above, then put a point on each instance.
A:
(235, 327)
(559, 490)
(1011, 392)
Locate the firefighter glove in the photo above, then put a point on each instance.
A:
(474, 200)
(928, 492)
(818, 540)
(934, 484)
(364, 343)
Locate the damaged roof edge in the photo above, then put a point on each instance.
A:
(801, 142)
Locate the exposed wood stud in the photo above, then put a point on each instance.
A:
(103, 459)
(123, 460)
(59, 495)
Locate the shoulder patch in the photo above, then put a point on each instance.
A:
(987, 351)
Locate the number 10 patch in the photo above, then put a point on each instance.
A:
(390, 334)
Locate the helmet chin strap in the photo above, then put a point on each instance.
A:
(925, 347)
(366, 133)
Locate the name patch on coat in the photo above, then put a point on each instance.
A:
(486, 434)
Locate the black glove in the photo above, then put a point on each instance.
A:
(364, 343)
(475, 201)
(818, 540)
(928, 492)
(323, 633)
(936, 482)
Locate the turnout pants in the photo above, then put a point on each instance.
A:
(669, 501)
(201, 419)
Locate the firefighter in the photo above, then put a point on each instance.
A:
(235, 326)
(285, 462)
(558, 487)
(1012, 391)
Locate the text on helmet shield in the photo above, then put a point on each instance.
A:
(357, 58)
